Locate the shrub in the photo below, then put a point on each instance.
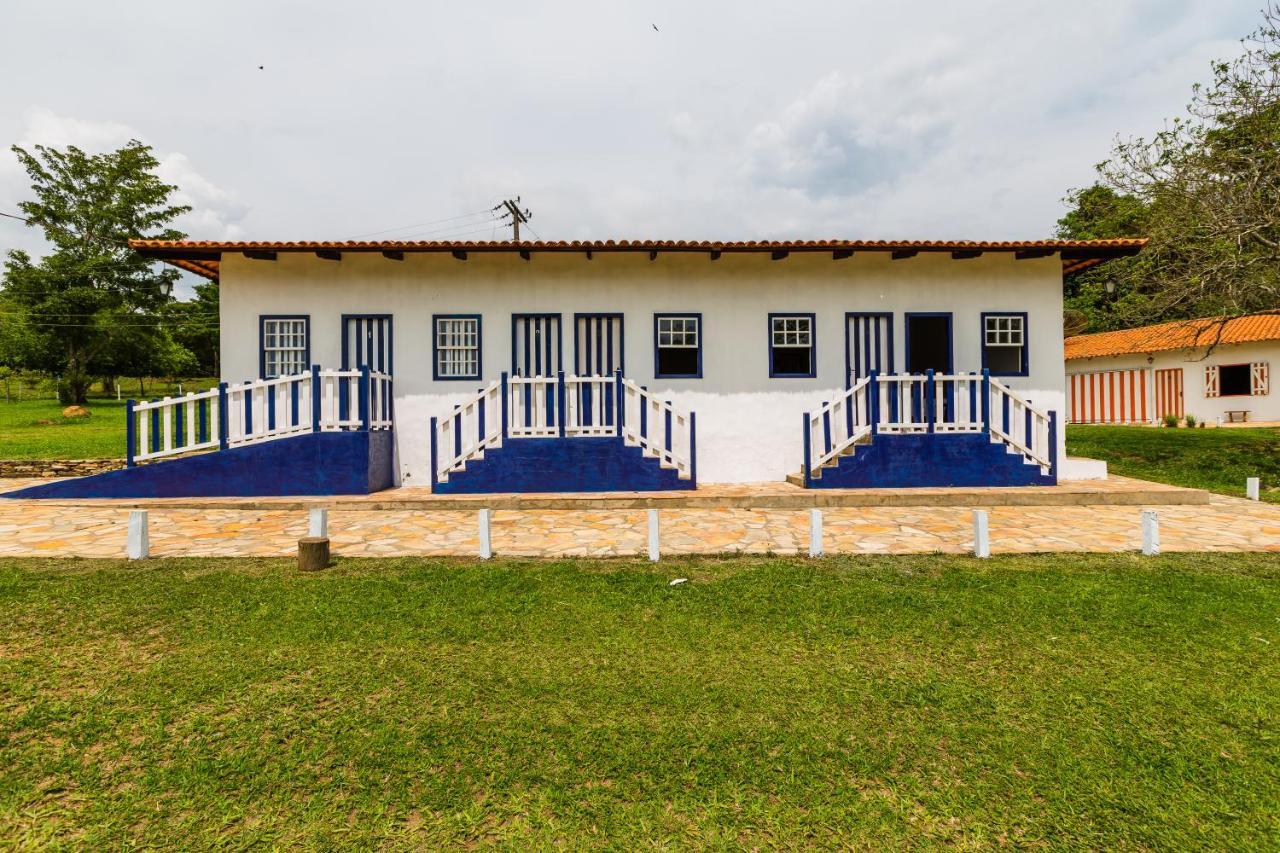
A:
(1191, 420)
(1171, 420)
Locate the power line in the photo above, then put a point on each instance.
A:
(420, 224)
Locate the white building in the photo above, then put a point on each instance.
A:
(1217, 372)
(852, 363)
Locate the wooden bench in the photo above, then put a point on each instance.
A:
(1237, 416)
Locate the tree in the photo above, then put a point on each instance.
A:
(91, 289)
(195, 326)
(1210, 185)
(1097, 300)
(17, 341)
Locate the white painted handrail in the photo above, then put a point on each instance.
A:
(234, 415)
(474, 425)
(838, 425)
(1022, 426)
(659, 429)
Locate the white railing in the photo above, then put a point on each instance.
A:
(1029, 430)
(234, 415)
(927, 403)
(474, 425)
(173, 425)
(838, 425)
(563, 406)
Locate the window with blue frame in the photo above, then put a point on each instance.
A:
(284, 344)
(791, 350)
(457, 346)
(677, 346)
(1004, 344)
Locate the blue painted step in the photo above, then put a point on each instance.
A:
(931, 459)
(325, 463)
(587, 464)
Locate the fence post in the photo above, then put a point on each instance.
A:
(815, 532)
(315, 398)
(560, 396)
(617, 405)
(873, 400)
(930, 404)
(981, 534)
(1253, 488)
(804, 468)
(138, 546)
(318, 523)
(364, 397)
(486, 543)
(435, 467)
(503, 391)
(693, 449)
(223, 423)
(653, 536)
(1150, 533)
(986, 400)
(1053, 444)
(130, 435)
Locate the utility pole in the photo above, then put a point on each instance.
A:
(515, 214)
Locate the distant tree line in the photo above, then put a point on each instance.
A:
(92, 308)
(1205, 190)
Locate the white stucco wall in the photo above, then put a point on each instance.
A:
(1192, 363)
(748, 424)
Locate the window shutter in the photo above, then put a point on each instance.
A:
(1259, 380)
(1211, 380)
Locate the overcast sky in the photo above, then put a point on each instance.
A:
(733, 120)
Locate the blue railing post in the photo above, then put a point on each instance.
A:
(223, 421)
(804, 468)
(693, 449)
(503, 391)
(826, 429)
(434, 465)
(617, 405)
(669, 442)
(247, 396)
(1053, 445)
(873, 401)
(364, 397)
(155, 428)
(986, 400)
(130, 435)
(560, 395)
(202, 420)
(480, 419)
(179, 433)
(930, 404)
(315, 398)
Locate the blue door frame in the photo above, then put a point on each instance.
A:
(368, 340)
(544, 359)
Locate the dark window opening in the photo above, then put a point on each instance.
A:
(1003, 359)
(677, 361)
(792, 361)
(928, 344)
(1234, 380)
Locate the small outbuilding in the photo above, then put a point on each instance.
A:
(1215, 371)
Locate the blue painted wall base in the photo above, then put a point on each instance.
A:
(326, 463)
(562, 465)
(931, 459)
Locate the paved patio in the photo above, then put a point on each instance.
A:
(369, 527)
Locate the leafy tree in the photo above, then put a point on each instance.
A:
(1096, 299)
(17, 341)
(82, 294)
(195, 326)
(1209, 184)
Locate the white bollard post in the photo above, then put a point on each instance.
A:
(319, 523)
(1150, 533)
(653, 536)
(981, 534)
(139, 545)
(1252, 488)
(486, 544)
(815, 532)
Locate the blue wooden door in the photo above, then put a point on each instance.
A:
(535, 344)
(367, 341)
(597, 344)
(868, 344)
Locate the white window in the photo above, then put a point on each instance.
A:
(791, 345)
(1004, 350)
(284, 346)
(457, 348)
(679, 346)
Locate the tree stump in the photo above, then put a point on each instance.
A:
(313, 553)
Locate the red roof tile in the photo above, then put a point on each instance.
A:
(1180, 334)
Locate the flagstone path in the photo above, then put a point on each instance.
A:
(29, 528)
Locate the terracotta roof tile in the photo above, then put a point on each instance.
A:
(1075, 254)
(1180, 334)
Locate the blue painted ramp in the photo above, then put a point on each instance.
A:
(324, 463)
(562, 465)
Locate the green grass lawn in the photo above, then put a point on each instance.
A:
(1215, 459)
(1065, 701)
(36, 429)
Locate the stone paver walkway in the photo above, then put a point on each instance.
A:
(28, 528)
